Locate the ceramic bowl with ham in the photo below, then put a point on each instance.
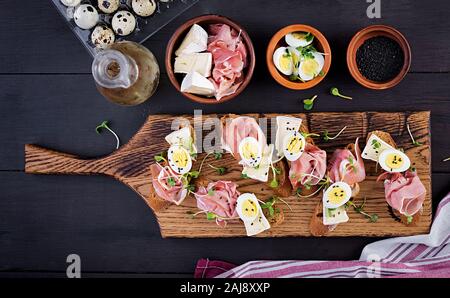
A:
(298, 57)
(210, 59)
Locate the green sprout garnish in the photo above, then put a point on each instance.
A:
(308, 103)
(335, 91)
(160, 158)
(360, 209)
(104, 125)
(409, 219)
(210, 216)
(326, 137)
(211, 191)
(219, 170)
(269, 205)
(218, 155)
(244, 176)
(414, 142)
(171, 181)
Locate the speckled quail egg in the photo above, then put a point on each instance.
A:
(299, 39)
(123, 23)
(337, 195)
(71, 3)
(86, 16)
(108, 6)
(144, 8)
(102, 36)
(392, 160)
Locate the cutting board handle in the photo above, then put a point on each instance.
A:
(39, 160)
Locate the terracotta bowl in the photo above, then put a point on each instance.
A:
(178, 37)
(320, 43)
(369, 32)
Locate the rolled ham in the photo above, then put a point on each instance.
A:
(346, 167)
(404, 192)
(309, 168)
(234, 130)
(173, 193)
(229, 59)
(220, 198)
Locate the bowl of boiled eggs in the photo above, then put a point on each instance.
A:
(298, 57)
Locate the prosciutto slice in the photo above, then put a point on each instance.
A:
(404, 192)
(174, 193)
(234, 130)
(229, 58)
(309, 168)
(219, 198)
(346, 167)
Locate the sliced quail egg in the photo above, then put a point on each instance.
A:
(108, 6)
(310, 67)
(337, 195)
(144, 8)
(392, 160)
(250, 151)
(71, 3)
(293, 145)
(85, 16)
(283, 61)
(299, 39)
(179, 159)
(123, 23)
(295, 55)
(247, 207)
(102, 36)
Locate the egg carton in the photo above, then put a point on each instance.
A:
(166, 11)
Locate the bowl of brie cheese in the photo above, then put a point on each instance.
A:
(210, 59)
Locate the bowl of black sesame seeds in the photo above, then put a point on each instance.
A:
(378, 57)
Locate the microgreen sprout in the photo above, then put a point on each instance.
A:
(414, 142)
(360, 210)
(409, 219)
(104, 125)
(326, 137)
(308, 103)
(160, 157)
(218, 155)
(219, 170)
(335, 91)
(244, 176)
(211, 191)
(171, 181)
(274, 183)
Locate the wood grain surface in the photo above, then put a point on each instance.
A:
(130, 165)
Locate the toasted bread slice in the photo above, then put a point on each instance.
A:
(155, 202)
(316, 225)
(277, 218)
(284, 188)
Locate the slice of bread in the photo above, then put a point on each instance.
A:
(385, 136)
(284, 188)
(155, 202)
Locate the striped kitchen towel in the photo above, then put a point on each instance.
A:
(415, 256)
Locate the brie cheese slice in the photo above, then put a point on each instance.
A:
(334, 216)
(199, 62)
(285, 126)
(374, 147)
(251, 214)
(182, 137)
(197, 84)
(261, 172)
(196, 41)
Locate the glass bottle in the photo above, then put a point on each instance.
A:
(126, 73)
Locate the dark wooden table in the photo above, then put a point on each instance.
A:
(48, 97)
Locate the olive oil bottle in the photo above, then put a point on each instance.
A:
(126, 73)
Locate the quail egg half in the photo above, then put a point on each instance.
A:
(293, 145)
(108, 6)
(250, 152)
(337, 195)
(71, 3)
(247, 207)
(283, 61)
(179, 159)
(299, 39)
(102, 36)
(123, 23)
(86, 16)
(392, 160)
(144, 8)
(310, 66)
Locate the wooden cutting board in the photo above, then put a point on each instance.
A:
(130, 165)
